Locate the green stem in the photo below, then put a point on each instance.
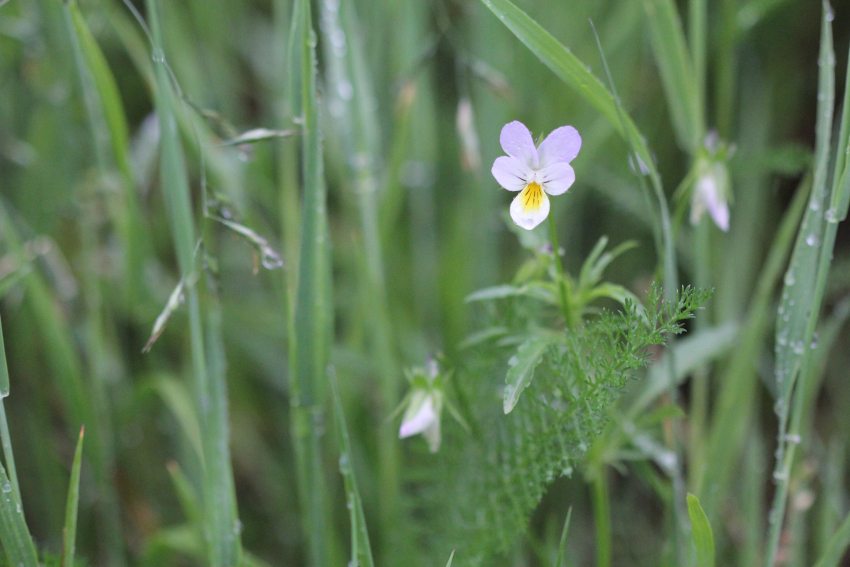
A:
(566, 307)
(602, 517)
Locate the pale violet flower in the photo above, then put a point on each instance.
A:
(535, 171)
(424, 405)
(711, 190)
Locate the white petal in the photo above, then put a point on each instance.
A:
(557, 178)
(511, 173)
(706, 197)
(562, 145)
(517, 143)
(420, 415)
(529, 216)
(719, 211)
(432, 435)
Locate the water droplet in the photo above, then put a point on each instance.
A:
(793, 438)
(237, 527)
(814, 344)
(814, 205)
(798, 347)
(778, 475)
(158, 55)
(345, 90)
(812, 239)
(830, 15)
(831, 215)
(271, 260)
(6, 488)
(790, 279)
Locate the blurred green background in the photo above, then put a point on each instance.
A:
(412, 95)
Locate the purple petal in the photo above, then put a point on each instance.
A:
(557, 178)
(517, 143)
(511, 173)
(562, 145)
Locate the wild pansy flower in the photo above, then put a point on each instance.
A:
(711, 188)
(424, 405)
(535, 171)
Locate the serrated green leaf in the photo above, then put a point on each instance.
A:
(521, 368)
(703, 537)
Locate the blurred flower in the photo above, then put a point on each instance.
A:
(424, 405)
(535, 171)
(711, 189)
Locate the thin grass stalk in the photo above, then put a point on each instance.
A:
(358, 124)
(312, 317)
(221, 533)
(816, 238)
(8, 454)
(602, 518)
(69, 533)
(727, 431)
(671, 284)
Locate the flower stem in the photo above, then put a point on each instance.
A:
(566, 307)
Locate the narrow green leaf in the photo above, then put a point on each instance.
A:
(703, 536)
(14, 535)
(676, 69)
(179, 401)
(174, 301)
(451, 557)
(570, 70)
(361, 547)
(69, 537)
(797, 310)
(258, 135)
(312, 318)
(562, 548)
(692, 352)
(521, 368)
(186, 495)
(836, 546)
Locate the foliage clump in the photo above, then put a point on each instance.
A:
(492, 479)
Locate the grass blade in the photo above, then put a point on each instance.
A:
(360, 545)
(563, 546)
(836, 546)
(311, 323)
(677, 71)
(803, 291)
(703, 537)
(69, 536)
(221, 525)
(352, 94)
(570, 70)
(14, 535)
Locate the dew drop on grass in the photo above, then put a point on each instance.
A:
(158, 56)
(790, 279)
(812, 239)
(831, 215)
(798, 347)
(6, 488)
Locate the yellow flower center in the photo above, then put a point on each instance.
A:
(531, 197)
